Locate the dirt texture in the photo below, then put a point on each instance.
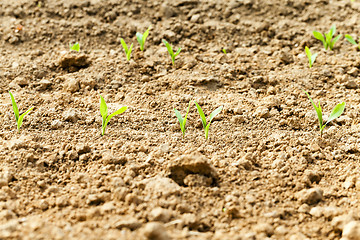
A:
(264, 172)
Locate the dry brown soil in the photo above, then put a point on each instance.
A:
(264, 172)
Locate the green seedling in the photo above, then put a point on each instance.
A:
(141, 38)
(328, 40)
(206, 126)
(126, 49)
(74, 47)
(19, 118)
(104, 114)
(311, 57)
(352, 41)
(224, 51)
(171, 52)
(182, 120)
(336, 112)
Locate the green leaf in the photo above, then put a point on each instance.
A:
(75, 47)
(318, 111)
(319, 114)
(144, 37)
(334, 41)
(146, 34)
(124, 45)
(307, 51)
(139, 38)
(119, 111)
(332, 31)
(187, 112)
(177, 52)
(313, 58)
(202, 115)
(15, 107)
(180, 118)
(308, 54)
(169, 48)
(336, 112)
(319, 36)
(214, 113)
(350, 39)
(103, 109)
(20, 121)
(128, 54)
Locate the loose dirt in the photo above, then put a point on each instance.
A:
(264, 172)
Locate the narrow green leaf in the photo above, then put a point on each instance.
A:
(319, 36)
(332, 31)
(15, 107)
(179, 117)
(308, 54)
(350, 39)
(214, 113)
(139, 38)
(20, 121)
(119, 111)
(128, 54)
(169, 48)
(307, 51)
(202, 115)
(146, 34)
(144, 37)
(319, 114)
(317, 109)
(103, 108)
(177, 52)
(124, 45)
(187, 112)
(313, 58)
(336, 112)
(334, 41)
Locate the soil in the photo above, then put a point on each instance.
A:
(264, 172)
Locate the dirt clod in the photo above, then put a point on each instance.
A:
(156, 231)
(74, 61)
(310, 196)
(193, 164)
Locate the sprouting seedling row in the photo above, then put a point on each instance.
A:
(328, 41)
(206, 125)
(141, 38)
(336, 112)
